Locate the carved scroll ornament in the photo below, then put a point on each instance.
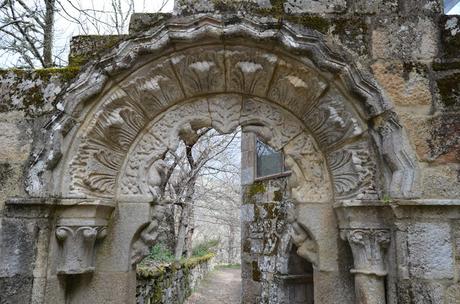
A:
(80, 225)
(368, 247)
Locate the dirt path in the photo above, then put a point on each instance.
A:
(222, 286)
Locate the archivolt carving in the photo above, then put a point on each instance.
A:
(154, 87)
(121, 121)
(353, 171)
(277, 127)
(296, 88)
(309, 179)
(225, 112)
(105, 144)
(249, 70)
(331, 121)
(201, 70)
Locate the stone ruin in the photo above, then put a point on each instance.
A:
(362, 97)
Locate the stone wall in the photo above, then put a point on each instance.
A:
(409, 48)
(173, 283)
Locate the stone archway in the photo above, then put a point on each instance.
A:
(123, 113)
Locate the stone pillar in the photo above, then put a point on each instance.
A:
(368, 247)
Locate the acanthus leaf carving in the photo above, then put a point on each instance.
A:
(202, 71)
(105, 143)
(353, 171)
(296, 88)
(154, 87)
(275, 125)
(225, 112)
(331, 122)
(249, 71)
(368, 247)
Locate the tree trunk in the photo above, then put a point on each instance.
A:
(48, 33)
(189, 236)
(231, 244)
(183, 231)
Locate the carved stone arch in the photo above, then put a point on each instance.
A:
(338, 108)
(123, 112)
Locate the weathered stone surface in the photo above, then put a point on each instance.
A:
(450, 36)
(441, 181)
(406, 84)
(172, 284)
(296, 69)
(16, 289)
(423, 292)
(404, 38)
(374, 6)
(33, 91)
(430, 251)
(449, 91)
(314, 6)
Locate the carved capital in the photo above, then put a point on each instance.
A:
(77, 248)
(368, 247)
(79, 226)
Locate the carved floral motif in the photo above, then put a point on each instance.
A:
(331, 122)
(77, 248)
(368, 247)
(296, 87)
(353, 170)
(249, 70)
(154, 87)
(130, 131)
(270, 122)
(105, 143)
(201, 70)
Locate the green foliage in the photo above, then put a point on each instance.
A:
(205, 247)
(387, 199)
(159, 253)
(229, 266)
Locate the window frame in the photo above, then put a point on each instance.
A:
(257, 178)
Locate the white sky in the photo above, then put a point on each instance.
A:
(455, 10)
(67, 27)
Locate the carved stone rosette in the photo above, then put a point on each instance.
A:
(368, 247)
(78, 228)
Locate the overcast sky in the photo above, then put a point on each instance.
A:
(68, 16)
(455, 10)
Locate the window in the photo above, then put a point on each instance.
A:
(268, 161)
(452, 7)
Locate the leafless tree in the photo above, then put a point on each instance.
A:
(198, 158)
(28, 31)
(27, 27)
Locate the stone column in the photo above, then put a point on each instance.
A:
(368, 247)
